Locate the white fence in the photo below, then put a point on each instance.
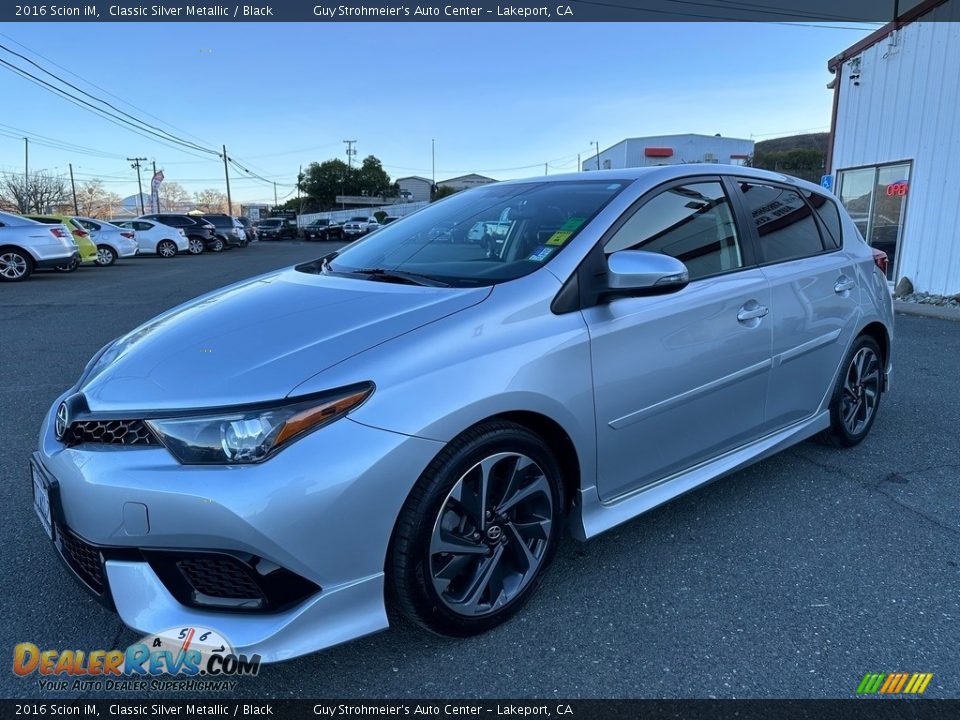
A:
(397, 210)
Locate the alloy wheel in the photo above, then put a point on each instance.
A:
(196, 246)
(861, 391)
(13, 266)
(105, 256)
(166, 249)
(491, 534)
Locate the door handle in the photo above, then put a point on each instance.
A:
(844, 284)
(752, 311)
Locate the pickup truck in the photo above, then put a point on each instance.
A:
(359, 225)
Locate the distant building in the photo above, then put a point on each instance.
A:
(671, 150)
(894, 155)
(464, 182)
(414, 188)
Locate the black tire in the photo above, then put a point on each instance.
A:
(218, 245)
(415, 566)
(15, 264)
(68, 267)
(856, 396)
(106, 256)
(166, 248)
(196, 246)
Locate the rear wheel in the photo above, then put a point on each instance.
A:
(478, 530)
(15, 265)
(856, 396)
(68, 267)
(217, 245)
(166, 248)
(195, 246)
(106, 255)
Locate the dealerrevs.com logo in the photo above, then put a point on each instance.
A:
(184, 658)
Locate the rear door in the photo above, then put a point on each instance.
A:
(814, 308)
(680, 378)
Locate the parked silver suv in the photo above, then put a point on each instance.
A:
(414, 420)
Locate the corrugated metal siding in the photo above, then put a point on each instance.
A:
(907, 107)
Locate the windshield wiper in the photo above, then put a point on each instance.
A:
(399, 276)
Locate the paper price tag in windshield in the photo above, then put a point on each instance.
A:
(572, 224)
(541, 254)
(559, 237)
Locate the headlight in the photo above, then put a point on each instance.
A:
(243, 436)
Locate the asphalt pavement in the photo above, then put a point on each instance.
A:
(792, 578)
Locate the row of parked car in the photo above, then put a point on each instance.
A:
(321, 229)
(63, 242)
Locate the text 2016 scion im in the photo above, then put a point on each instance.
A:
(414, 419)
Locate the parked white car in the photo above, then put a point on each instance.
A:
(26, 245)
(111, 240)
(153, 237)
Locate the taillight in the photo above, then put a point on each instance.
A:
(80, 233)
(57, 232)
(127, 235)
(881, 261)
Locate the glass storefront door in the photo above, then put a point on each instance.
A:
(876, 199)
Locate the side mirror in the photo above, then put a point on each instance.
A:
(637, 272)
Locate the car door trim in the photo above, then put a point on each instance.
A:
(688, 395)
(803, 348)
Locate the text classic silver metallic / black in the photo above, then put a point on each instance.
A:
(414, 419)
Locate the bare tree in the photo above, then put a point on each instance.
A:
(33, 193)
(173, 198)
(92, 199)
(211, 201)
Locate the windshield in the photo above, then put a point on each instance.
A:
(269, 223)
(483, 236)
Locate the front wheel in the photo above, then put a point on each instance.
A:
(856, 396)
(217, 245)
(195, 246)
(166, 248)
(15, 265)
(106, 255)
(477, 531)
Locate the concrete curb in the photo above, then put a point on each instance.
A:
(931, 311)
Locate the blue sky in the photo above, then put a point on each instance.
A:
(496, 97)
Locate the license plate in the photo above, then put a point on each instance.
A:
(41, 501)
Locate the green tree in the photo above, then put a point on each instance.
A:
(321, 183)
(441, 191)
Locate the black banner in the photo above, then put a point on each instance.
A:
(854, 709)
(831, 11)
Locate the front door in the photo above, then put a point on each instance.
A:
(680, 378)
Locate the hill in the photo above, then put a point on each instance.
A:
(801, 155)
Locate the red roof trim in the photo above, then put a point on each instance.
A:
(878, 35)
(738, 156)
(658, 152)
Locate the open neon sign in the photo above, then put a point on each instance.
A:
(898, 188)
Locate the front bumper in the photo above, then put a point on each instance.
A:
(323, 508)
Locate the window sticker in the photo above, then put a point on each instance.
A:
(572, 224)
(559, 237)
(541, 253)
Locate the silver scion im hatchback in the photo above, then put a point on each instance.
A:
(414, 419)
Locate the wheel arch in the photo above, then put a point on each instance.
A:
(18, 248)
(878, 331)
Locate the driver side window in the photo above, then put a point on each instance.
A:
(691, 222)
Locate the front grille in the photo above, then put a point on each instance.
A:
(110, 432)
(84, 558)
(220, 577)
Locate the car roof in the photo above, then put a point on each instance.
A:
(663, 173)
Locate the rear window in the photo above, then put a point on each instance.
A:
(829, 215)
(784, 222)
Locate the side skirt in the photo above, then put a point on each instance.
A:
(591, 516)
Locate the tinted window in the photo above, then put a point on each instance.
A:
(784, 222)
(692, 223)
(829, 215)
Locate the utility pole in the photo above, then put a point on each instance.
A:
(597, 143)
(433, 161)
(544, 168)
(226, 173)
(151, 186)
(73, 188)
(135, 164)
(350, 153)
(26, 159)
(274, 194)
(579, 166)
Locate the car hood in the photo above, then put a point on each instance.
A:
(258, 339)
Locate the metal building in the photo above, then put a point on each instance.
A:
(894, 155)
(671, 150)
